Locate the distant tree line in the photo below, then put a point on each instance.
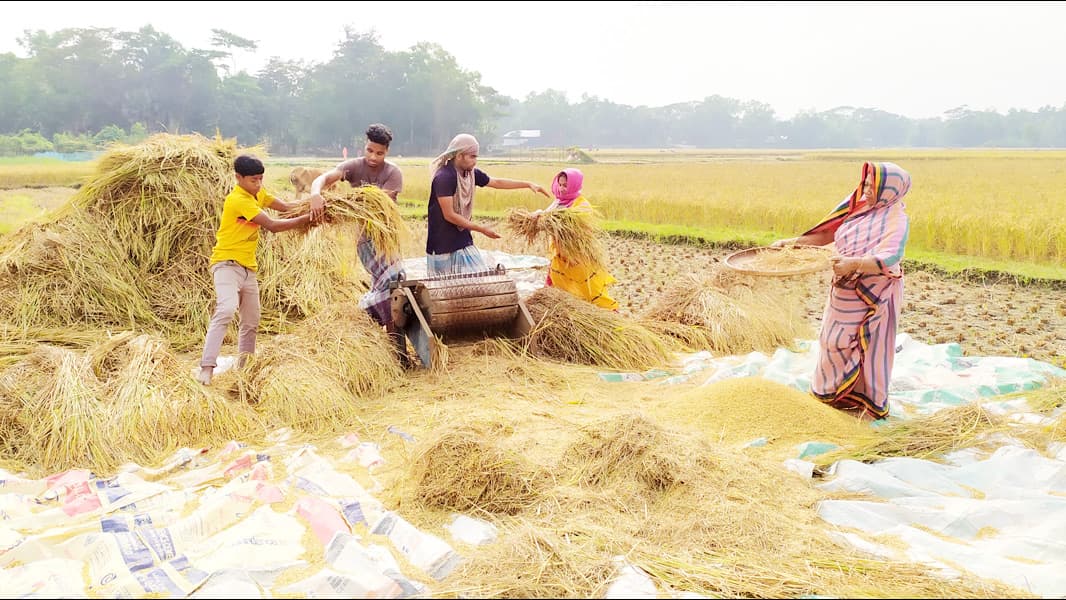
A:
(85, 87)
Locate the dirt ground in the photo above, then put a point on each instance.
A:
(985, 319)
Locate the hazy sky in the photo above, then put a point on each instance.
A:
(917, 59)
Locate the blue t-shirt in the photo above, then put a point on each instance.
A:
(444, 237)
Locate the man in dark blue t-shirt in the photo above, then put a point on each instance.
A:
(450, 246)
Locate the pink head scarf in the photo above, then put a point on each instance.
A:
(574, 178)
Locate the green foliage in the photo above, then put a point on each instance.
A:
(31, 142)
(66, 143)
(76, 81)
(138, 133)
(110, 134)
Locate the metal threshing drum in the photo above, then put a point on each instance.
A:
(483, 300)
(480, 303)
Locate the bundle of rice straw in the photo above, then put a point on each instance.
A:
(369, 207)
(53, 414)
(726, 313)
(131, 248)
(569, 329)
(298, 273)
(575, 233)
(464, 468)
(289, 389)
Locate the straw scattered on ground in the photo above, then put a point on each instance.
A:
(699, 518)
(926, 437)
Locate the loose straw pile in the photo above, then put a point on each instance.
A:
(727, 313)
(569, 329)
(465, 469)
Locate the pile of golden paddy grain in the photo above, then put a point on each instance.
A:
(727, 313)
(569, 329)
(575, 233)
(131, 249)
(697, 517)
(743, 409)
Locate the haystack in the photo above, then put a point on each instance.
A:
(575, 233)
(569, 329)
(727, 313)
(130, 250)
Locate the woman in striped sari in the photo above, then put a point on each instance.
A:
(858, 335)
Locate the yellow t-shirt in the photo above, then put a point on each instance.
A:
(238, 236)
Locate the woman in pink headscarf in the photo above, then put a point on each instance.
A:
(449, 245)
(588, 282)
(858, 337)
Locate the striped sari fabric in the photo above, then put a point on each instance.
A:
(858, 336)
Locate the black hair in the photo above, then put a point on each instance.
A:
(246, 165)
(379, 134)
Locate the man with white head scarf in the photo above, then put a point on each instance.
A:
(450, 246)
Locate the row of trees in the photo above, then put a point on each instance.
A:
(76, 84)
(31, 142)
(719, 122)
(77, 81)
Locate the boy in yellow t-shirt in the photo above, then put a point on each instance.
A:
(233, 263)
